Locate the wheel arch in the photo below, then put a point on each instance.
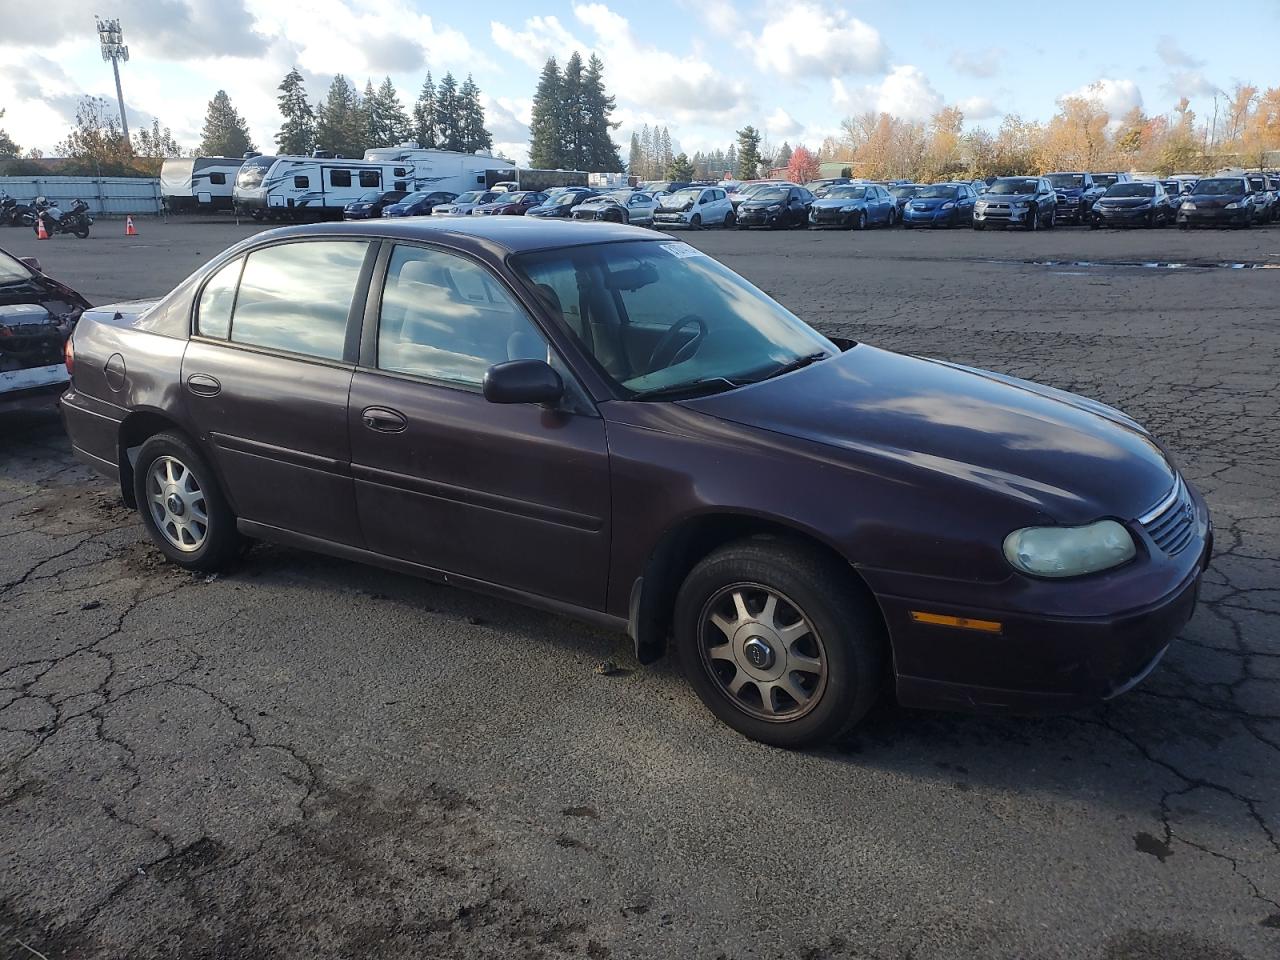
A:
(136, 429)
(680, 549)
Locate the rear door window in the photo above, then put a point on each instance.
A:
(296, 296)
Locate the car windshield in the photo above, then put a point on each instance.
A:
(622, 196)
(939, 191)
(1257, 183)
(416, 198)
(685, 196)
(1012, 187)
(770, 193)
(1105, 179)
(846, 193)
(664, 319)
(370, 197)
(12, 270)
(1132, 190)
(1067, 180)
(903, 191)
(471, 196)
(1220, 185)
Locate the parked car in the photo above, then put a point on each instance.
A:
(1266, 205)
(419, 204)
(694, 207)
(464, 203)
(37, 315)
(775, 207)
(561, 201)
(621, 206)
(1077, 193)
(515, 204)
(516, 407)
(1017, 201)
(902, 193)
(660, 188)
(940, 205)
(371, 204)
(819, 188)
(1217, 201)
(1141, 203)
(751, 189)
(854, 206)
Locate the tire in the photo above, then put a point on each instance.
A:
(696, 221)
(1150, 223)
(861, 222)
(188, 475)
(730, 219)
(82, 232)
(1033, 219)
(978, 225)
(1094, 223)
(845, 639)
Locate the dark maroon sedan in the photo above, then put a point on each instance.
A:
(604, 422)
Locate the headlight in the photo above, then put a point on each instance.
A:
(1188, 205)
(1068, 551)
(774, 207)
(980, 205)
(1018, 205)
(849, 209)
(950, 204)
(1236, 205)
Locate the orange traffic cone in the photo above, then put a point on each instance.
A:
(129, 229)
(41, 232)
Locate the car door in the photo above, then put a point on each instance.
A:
(510, 494)
(265, 380)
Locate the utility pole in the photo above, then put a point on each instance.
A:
(111, 39)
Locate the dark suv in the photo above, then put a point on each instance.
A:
(606, 423)
(1077, 193)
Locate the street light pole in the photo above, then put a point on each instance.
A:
(111, 40)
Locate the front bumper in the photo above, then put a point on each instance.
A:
(1219, 215)
(1016, 218)
(1123, 215)
(931, 218)
(1046, 662)
(360, 215)
(671, 219)
(758, 218)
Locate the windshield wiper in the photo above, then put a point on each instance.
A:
(796, 364)
(689, 389)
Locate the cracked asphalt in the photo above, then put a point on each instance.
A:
(308, 758)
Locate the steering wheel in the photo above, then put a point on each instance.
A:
(666, 353)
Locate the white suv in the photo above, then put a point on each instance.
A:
(694, 207)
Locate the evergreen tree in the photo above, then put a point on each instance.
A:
(748, 152)
(448, 115)
(601, 153)
(474, 135)
(8, 149)
(573, 132)
(680, 168)
(225, 133)
(646, 153)
(731, 160)
(635, 159)
(369, 119)
(298, 132)
(545, 148)
(424, 114)
(393, 122)
(784, 155)
(665, 154)
(340, 126)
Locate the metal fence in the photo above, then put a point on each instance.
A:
(110, 196)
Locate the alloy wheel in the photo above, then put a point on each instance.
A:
(762, 652)
(177, 504)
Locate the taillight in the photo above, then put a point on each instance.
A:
(69, 357)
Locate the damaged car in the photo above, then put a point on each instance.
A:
(37, 315)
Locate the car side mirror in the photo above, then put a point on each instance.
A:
(33, 263)
(522, 381)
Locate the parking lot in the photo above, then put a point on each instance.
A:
(310, 758)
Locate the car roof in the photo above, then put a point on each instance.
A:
(497, 235)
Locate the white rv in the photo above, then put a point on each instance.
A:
(296, 187)
(205, 183)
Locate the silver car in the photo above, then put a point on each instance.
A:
(462, 205)
(620, 206)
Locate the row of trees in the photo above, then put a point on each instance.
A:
(449, 116)
(571, 120)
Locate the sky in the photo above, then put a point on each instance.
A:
(704, 69)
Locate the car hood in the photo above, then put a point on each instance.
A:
(395, 208)
(1066, 458)
(1007, 197)
(834, 203)
(1123, 202)
(929, 203)
(1211, 200)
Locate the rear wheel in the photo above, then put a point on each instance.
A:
(1053, 219)
(779, 642)
(730, 219)
(182, 506)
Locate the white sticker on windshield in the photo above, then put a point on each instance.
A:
(682, 251)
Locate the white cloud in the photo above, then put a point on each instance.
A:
(1174, 56)
(542, 37)
(1190, 84)
(1117, 97)
(782, 124)
(977, 63)
(978, 108)
(906, 93)
(507, 118)
(805, 39)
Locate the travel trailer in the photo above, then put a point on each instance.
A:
(319, 186)
(205, 183)
(500, 174)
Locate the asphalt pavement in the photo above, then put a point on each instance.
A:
(309, 758)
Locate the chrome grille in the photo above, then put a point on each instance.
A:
(1171, 523)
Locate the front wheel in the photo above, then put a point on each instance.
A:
(1033, 219)
(182, 506)
(861, 222)
(696, 221)
(779, 641)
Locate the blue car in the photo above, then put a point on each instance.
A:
(940, 205)
(854, 206)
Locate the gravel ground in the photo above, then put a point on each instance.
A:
(308, 758)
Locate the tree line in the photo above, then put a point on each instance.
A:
(570, 123)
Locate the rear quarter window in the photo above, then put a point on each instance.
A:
(213, 318)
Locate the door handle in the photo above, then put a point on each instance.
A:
(384, 419)
(203, 386)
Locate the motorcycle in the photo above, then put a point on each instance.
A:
(15, 214)
(76, 220)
